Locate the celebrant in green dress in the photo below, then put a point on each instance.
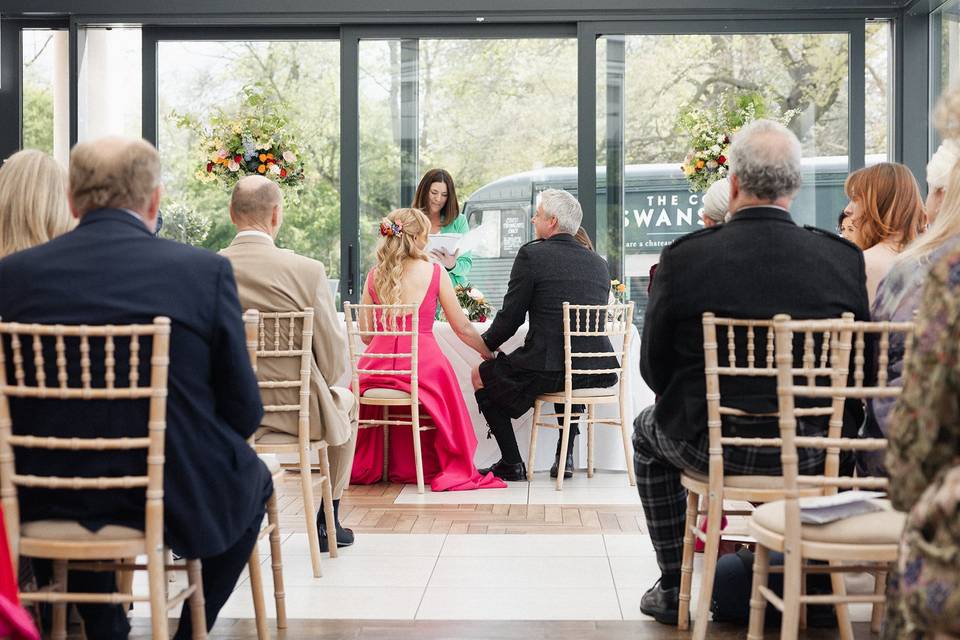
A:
(437, 197)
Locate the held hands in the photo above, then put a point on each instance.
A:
(448, 260)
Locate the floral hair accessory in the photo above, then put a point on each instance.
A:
(390, 229)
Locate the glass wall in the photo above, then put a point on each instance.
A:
(108, 102)
(653, 96)
(46, 91)
(299, 81)
(878, 81)
(944, 56)
(499, 114)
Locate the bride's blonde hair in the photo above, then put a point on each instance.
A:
(401, 231)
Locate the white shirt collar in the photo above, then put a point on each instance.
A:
(254, 232)
(134, 214)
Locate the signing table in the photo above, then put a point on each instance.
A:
(609, 447)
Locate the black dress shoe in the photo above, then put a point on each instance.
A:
(568, 469)
(506, 471)
(661, 604)
(344, 535)
(344, 538)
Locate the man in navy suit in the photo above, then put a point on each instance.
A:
(112, 270)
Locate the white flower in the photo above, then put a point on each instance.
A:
(715, 149)
(475, 294)
(232, 165)
(289, 156)
(275, 169)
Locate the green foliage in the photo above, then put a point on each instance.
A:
(37, 117)
(184, 224)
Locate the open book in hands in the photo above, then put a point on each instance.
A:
(453, 242)
(824, 509)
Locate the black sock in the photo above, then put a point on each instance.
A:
(501, 428)
(670, 580)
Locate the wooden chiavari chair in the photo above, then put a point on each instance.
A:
(750, 353)
(69, 544)
(289, 335)
(610, 320)
(867, 542)
(251, 324)
(364, 320)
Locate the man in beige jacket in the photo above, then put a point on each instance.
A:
(273, 279)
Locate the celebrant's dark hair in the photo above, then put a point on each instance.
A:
(421, 199)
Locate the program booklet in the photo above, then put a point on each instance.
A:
(453, 242)
(824, 509)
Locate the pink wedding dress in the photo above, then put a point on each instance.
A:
(447, 450)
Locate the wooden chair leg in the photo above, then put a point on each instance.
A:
(59, 621)
(256, 589)
(710, 554)
(310, 512)
(417, 452)
(564, 444)
(844, 625)
(792, 581)
(198, 612)
(157, 577)
(326, 495)
(386, 446)
(758, 604)
(879, 587)
(627, 447)
(686, 568)
(125, 581)
(534, 430)
(591, 433)
(276, 562)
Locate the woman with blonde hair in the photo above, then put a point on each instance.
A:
(405, 275)
(33, 201)
(887, 212)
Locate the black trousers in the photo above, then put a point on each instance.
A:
(109, 622)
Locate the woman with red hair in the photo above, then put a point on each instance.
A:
(887, 213)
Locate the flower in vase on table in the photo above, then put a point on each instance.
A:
(473, 303)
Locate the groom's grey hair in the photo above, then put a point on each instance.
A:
(564, 207)
(765, 158)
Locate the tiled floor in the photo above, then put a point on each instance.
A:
(577, 555)
(465, 577)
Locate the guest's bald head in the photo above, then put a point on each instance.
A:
(114, 172)
(256, 203)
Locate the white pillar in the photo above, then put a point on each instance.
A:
(61, 96)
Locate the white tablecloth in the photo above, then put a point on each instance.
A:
(609, 449)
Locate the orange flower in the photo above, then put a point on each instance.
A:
(262, 168)
(269, 156)
(700, 164)
(263, 157)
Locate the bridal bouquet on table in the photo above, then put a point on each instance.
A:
(473, 304)
(256, 140)
(710, 130)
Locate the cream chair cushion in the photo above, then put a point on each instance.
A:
(386, 394)
(879, 527)
(74, 531)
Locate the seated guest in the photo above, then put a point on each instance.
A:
(112, 270)
(547, 272)
(898, 299)
(273, 279)
(404, 275)
(33, 201)
(924, 441)
(808, 273)
(886, 208)
(715, 203)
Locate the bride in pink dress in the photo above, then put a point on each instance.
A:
(404, 275)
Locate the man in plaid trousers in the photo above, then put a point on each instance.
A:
(755, 266)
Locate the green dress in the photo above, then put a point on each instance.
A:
(460, 272)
